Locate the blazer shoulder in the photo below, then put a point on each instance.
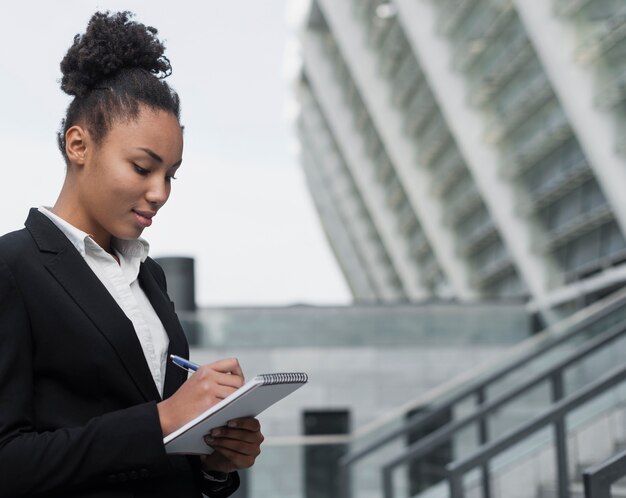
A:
(13, 245)
(23, 249)
(13, 248)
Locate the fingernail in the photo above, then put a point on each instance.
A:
(216, 432)
(232, 424)
(209, 440)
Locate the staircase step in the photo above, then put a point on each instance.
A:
(576, 490)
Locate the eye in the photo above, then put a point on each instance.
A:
(140, 170)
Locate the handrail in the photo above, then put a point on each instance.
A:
(554, 374)
(555, 417)
(529, 349)
(599, 478)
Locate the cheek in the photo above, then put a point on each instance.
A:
(116, 186)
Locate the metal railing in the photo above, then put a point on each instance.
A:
(554, 418)
(599, 478)
(477, 387)
(554, 375)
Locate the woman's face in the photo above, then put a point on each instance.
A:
(126, 178)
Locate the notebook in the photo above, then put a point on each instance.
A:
(248, 401)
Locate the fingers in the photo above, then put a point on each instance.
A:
(238, 460)
(206, 387)
(217, 391)
(225, 373)
(247, 423)
(228, 366)
(248, 448)
(254, 437)
(238, 445)
(206, 373)
(221, 392)
(239, 452)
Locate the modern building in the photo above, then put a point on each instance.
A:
(468, 149)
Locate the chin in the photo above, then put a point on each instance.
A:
(128, 234)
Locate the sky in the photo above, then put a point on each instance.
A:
(240, 205)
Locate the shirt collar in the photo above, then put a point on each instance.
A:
(136, 249)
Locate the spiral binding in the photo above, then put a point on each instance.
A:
(284, 378)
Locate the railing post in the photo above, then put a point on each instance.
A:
(599, 478)
(483, 438)
(345, 490)
(596, 488)
(455, 480)
(560, 435)
(387, 482)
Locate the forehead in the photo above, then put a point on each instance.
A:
(157, 130)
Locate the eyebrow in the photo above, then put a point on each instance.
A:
(152, 154)
(156, 157)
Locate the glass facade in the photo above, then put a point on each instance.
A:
(406, 225)
(558, 195)
(540, 153)
(436, 150)
(319, 147)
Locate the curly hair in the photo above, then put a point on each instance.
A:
(115, 66)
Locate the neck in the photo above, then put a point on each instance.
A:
(69, 207)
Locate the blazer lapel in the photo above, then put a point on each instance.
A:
(71, 271)
(174, 376)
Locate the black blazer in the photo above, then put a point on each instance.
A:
(78, 415)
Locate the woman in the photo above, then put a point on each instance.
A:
(86, 391)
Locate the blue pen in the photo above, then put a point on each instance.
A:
(190, 366)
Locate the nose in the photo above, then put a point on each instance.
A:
(158, 192)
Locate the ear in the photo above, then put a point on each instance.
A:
(76, 141)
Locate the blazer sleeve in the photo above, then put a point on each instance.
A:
(34, 462)
(209, 488)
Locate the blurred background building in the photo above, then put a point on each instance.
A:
(467, 160)
(468, 149)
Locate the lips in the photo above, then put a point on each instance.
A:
(144, 218)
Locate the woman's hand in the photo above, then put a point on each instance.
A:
(236, 446)
(207, 386)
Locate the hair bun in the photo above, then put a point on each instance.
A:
(112, 42)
